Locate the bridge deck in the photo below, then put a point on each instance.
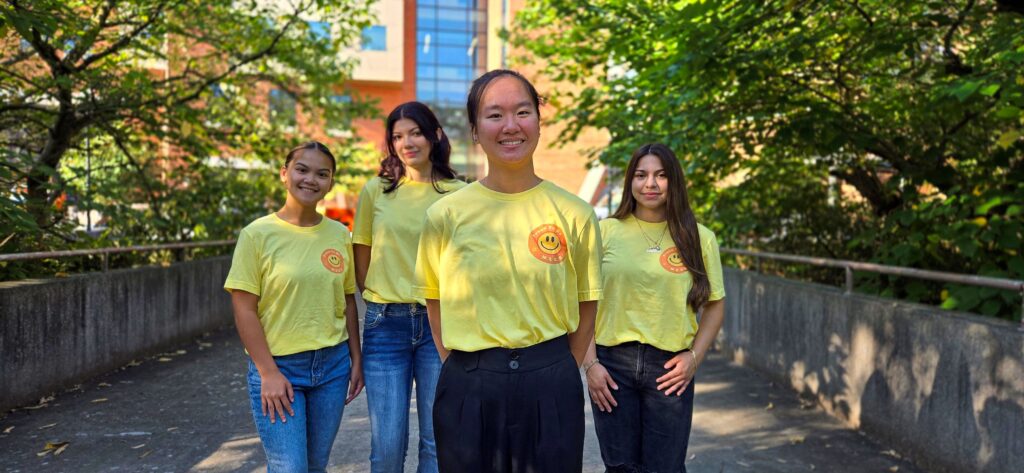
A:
(188, 411)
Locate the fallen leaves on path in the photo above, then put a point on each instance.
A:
(53, 447)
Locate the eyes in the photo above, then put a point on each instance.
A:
(643, 175)
(521, 114)
(323, 173)
(398, 137)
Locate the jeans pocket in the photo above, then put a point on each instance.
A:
(374, 315)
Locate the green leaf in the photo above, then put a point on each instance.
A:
(1007, 138)
(989, 90)
(965, 90)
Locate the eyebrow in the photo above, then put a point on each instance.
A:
(525, 103)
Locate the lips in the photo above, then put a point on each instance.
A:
(511, 142)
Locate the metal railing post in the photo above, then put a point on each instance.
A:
(106, 262)
(849, 279)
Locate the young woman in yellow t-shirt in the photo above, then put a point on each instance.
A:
(292, 287)
(510, 269)
(660, 268)
(398, 347)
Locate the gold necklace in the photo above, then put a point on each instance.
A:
(655, 245)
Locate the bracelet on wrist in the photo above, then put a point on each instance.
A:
(587, 366)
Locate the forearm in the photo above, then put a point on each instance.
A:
(434, 317)
(352, 325)
(581, 340)
(254, 340)
(361, 253)
(710, 323)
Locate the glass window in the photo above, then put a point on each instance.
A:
(454, 38)
(282, 107)
(375, 38)
(451, 56)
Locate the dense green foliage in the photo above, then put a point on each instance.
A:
(158, 114)
(866, 130)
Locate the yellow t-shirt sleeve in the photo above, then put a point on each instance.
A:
(428, 258)
(362, 228)
(713, 265)
(244, 274)
(587, 260)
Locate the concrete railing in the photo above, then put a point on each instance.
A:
(57, 332)
(945, 388)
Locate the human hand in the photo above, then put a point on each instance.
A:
(598, 383)
(276, 395)
(355, 382)
(681, 369)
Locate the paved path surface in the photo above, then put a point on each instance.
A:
(187, 410)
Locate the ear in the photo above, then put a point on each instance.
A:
(440, 133)
(284, 173)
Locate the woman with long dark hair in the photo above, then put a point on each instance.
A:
(398, 346)
(649, 342)
(510, 269)
(293, 293)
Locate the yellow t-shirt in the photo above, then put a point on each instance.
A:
(391, 225)
(509, 269)
(302, 275)
(645, 293)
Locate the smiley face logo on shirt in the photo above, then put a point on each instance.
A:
(333, 261)
(547, 243)
(672, 261)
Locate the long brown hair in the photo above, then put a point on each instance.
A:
(682, 224)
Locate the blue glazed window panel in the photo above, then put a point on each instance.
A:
(451, 56)
(375, 38)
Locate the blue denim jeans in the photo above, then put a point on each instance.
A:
(320, 382)
(648, 432)
(398, 349)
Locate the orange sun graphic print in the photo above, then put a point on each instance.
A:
(672, 261)
(547, 243)
(333, 260)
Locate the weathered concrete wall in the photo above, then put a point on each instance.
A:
(945, 388)
(55, 333)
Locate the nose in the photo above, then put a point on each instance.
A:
(510, 124)
(650, 182)
(407, 141)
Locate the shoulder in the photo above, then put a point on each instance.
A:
(336, 228)
(373, 186)
(451, 185)
(567, 201)
(609, 225)
(260, 226)
(706, 235)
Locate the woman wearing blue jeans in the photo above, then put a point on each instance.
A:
(293, 291)
(399, 347)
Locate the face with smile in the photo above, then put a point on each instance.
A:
(507, 126)
(411, 144)
(650, 183)
(308, 177)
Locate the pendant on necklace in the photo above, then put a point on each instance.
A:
(654, 249)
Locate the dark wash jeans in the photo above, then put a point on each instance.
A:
(648, 432)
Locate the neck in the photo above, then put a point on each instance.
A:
(298, 214)
(650, 215)
(511, 181)
(417, 174)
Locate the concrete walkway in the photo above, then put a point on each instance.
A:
(187, 410)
